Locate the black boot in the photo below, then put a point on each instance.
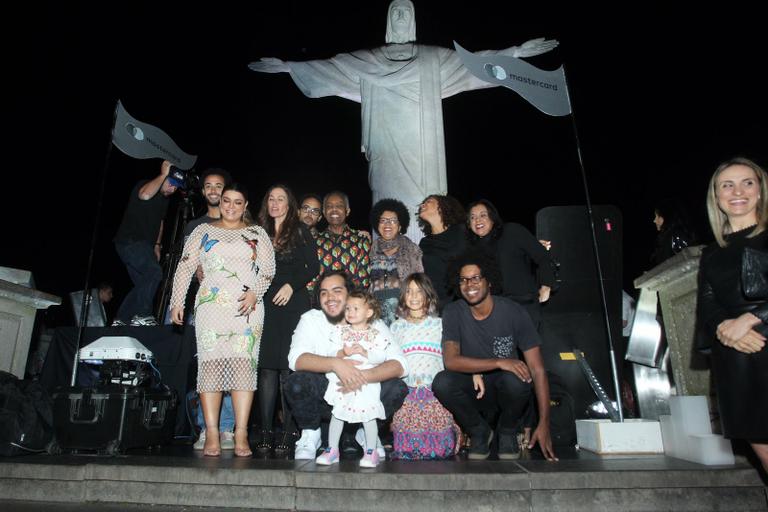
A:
(264, 443)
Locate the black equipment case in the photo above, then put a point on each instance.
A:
(112, 419)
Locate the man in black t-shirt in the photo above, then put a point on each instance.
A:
(138, 244)
(483, 334)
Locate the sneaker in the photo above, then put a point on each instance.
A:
(117, 323)
(328, 457)
(370, 459)
(509, 448)
(141, 321)
(200, 443)
(307, 445)
(227, 440)
(480, 448)
(360, 438)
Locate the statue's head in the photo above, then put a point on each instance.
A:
(401, 22)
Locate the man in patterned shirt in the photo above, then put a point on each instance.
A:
(340, 247)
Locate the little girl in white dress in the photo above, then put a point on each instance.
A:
(359, 341)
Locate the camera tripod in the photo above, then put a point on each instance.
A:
(184, 212)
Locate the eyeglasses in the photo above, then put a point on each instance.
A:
(463, 281)
(388, 220)
(310, 210)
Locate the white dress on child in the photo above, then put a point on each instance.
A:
(364, 404)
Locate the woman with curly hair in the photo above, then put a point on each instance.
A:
(393, 255)
(441, 219)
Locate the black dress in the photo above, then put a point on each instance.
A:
(437, 252)
(741, 380)
(296, 267)
(517, 252)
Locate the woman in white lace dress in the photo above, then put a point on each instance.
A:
(238, 264)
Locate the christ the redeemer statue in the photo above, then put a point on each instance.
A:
(400, 87)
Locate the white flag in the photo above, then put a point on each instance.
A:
(545, 90)
(142, 140)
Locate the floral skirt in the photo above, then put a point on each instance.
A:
(423, 429)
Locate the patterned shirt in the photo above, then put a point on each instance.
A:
(422, 347)
(347, 251)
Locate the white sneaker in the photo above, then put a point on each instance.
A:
(307, 445)
(227, 440)
(200, 443)
(360, 438)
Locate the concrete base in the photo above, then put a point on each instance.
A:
(633, 436)
(585, 483)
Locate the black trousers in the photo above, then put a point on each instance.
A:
(304, 393)
(505, 393)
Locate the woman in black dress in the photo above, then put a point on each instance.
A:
(285, 301)
(441, 219)
(674, 231)
(527, 270)
(737, 205)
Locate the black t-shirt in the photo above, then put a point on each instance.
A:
(191, 225)
(141, 220)
(507, 329)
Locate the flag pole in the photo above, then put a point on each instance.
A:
(87, 290)
(598, 265)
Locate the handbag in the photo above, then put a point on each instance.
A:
(754, 274)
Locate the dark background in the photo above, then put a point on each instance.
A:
(661, 95)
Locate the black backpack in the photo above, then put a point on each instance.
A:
(26, 416)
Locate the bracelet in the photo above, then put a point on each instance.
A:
(158, 243)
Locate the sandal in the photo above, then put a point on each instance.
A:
(239, 450)
(212, 447)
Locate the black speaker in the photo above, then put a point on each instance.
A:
(573, 317)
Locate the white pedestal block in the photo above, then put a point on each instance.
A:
(687, 433)
(632, 436)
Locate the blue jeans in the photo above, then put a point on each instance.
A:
(146, 274)
(226, 418)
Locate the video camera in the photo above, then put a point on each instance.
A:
(184, 180)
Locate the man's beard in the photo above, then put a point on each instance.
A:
(337, 319)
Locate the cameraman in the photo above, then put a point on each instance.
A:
(137, 242)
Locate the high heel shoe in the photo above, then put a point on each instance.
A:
(212, 446)
(264, 443)
(284, 443)
(239, 442)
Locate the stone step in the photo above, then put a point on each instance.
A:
(597, 484)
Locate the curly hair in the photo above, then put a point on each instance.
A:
(493, 215)
(290, 231)
(369, 300)
(390, 205)
(215, 171)
(450, 209)
(489, 269)
(424, 283)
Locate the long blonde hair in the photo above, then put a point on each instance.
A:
(718, 220)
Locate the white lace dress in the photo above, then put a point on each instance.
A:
(364, 404)
(233, 260)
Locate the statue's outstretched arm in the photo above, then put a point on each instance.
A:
(271, 65)
(534, 47)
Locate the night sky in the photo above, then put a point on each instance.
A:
(660, 98)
